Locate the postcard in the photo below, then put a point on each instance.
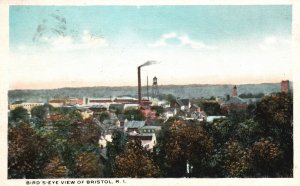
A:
(160, 93)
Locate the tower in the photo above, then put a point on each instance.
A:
(154, 88)
(285, 86)
(234, 91)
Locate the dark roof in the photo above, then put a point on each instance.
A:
(235, 100)
(18, 102)
(179, 102)
(97, 106)
(185, 102)
(141, 136)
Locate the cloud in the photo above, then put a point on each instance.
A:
(273, 42)
(87, 41)
(174, 39)
(93, 41)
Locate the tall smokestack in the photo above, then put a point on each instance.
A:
(139, 78)
(139, 84)
(147, 89)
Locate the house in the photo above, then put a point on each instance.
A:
(95, 101)
(74, 101)
(234, 103)
(125, 100)
(149, 129)
(98, 108)
(56, 102)
(195, 108)
(198, 115)
(130, 126)
(104, 139)
(129, 106)
(26, 105)
(148, 140)
(182, 104)
(210, 119)
(106, 136)
(169, 112)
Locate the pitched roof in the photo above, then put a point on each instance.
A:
(235, 100)
(179, 102)
(135, 124)
(185, 102)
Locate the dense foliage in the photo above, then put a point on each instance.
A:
(257, 142)
(135, 162)
(65, 147)
(134, 114)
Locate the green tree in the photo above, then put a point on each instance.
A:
(248, 131)
(38, 115)
(88, 165)
(19, 114)
(135, 162)
(169, 97)
(180, 144)
(114, 148)
(159, 110)
(236, 159)
(55, 169)
(134, 114)
(38, 112)
(103, 116)
(28, 152)
(275, 116)
(266, 157)
(84, 134)
(212, 108)
(71, 135)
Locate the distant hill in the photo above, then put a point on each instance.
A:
(183, 91)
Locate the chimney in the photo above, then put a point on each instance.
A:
(139, 85)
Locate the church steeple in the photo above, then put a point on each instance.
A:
(234, 91)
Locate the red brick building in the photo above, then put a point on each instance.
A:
(285, 86)
(234, 103)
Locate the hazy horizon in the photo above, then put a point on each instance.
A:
(145, 85)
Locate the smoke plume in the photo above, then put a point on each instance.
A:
(148, 63)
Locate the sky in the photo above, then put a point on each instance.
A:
(72, 46)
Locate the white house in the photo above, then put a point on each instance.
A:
(104, 139)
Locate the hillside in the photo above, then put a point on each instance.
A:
(183, 91)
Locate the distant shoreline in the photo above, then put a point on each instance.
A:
(181, 91)
(168, 85)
